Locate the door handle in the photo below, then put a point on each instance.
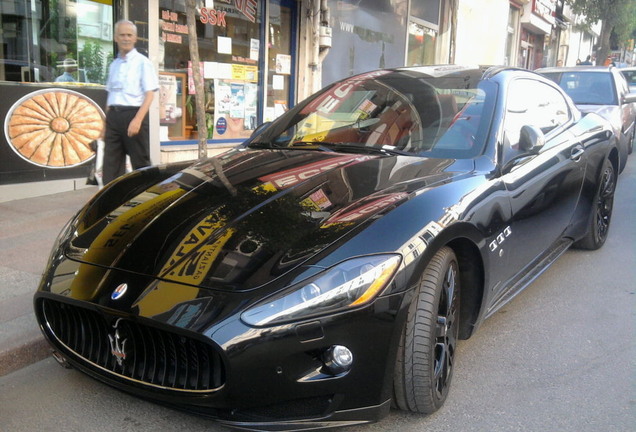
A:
(577, 153)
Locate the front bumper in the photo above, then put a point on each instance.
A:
(269, 378)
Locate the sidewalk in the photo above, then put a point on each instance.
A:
(28, 228)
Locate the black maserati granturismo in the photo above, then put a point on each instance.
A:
(324, 270)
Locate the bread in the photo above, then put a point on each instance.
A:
(54, 127)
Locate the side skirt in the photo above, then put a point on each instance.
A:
(528, 275)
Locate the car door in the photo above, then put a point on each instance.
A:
(628, 108)
(544, 187)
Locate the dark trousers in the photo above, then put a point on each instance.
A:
(117, 143)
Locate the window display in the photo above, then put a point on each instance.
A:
(229, 49)
(65, 41)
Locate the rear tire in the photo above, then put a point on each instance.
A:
(601, 210)
(426, 354)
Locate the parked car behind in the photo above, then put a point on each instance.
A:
(326, 269)
(602, 90)
(630, 75)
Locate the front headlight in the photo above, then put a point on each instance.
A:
(349, 284)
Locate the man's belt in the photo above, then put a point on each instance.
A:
(119, 108)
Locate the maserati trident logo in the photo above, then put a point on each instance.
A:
(117, 345)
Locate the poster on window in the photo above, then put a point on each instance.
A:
(251, 95)
(283, 64)
(168, 110)
(234, 107)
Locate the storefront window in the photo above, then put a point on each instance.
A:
(370, 36)
(279, 62)
(426, 10)
(229, 49)
(423, 32)
(138, 14)
(511, 36)
(421, 45)
(58, 40)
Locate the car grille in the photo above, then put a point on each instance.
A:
(135, 351)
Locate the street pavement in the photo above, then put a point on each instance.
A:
(28, 228)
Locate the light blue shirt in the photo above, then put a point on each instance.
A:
(65, 77)
(129, 79)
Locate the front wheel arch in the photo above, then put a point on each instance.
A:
(471, 273)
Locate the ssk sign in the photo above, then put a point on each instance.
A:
(217, 17)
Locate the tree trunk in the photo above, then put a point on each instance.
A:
(604, 43)
(198, 79)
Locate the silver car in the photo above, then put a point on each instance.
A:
(605, 91)
(630, 75)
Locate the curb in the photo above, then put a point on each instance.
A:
(32, 350)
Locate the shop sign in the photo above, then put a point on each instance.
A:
(247, 8)
(217, 17)
(170, 26)
(544, 8)
(213, 17)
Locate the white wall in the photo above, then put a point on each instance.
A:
(481, 31)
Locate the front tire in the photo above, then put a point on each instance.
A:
(426, 354)
(602, 210)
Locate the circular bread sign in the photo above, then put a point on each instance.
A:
(53, 128)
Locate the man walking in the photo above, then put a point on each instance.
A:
(132, 82)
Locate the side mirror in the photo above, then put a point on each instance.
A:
(629, 98)
(531, 139)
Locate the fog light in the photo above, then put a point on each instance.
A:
(337, 359)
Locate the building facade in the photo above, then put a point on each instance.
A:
(258, 58)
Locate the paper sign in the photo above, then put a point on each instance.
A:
(224, 45)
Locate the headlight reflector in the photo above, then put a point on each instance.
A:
(351, 283)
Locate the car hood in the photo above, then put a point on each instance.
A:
(243, 219)
(608, 112)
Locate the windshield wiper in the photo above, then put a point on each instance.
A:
(369, 149)
(312, 145)
(332, 147)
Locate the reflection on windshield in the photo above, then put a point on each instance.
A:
(587, 88)
(391, 112)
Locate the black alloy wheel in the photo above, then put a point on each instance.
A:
(426, 354)
(602, 210)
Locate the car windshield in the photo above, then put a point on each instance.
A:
(586, 88)
(391, 112)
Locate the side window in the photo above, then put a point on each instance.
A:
(621, 83)
(532, 103)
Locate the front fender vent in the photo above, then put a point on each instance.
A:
(133, 351)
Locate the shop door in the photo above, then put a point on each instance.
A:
(281, 58)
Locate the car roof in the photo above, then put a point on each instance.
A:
(576, 69)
